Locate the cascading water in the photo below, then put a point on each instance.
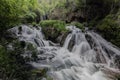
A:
(89, 58)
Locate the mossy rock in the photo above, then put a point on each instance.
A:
(52, 29)
(78, 25)
(30, 46)
(53, 23)
(41, 73)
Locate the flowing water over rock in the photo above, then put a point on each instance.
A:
(84, 55)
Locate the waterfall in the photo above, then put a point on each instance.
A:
(89, 58)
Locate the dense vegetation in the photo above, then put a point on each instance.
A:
(14, 12)
(101, 15)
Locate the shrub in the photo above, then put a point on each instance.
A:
(52, 29)
(13, 64)
(110, 29)
(60, 25)
(77, 24)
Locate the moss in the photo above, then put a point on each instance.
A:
(40, 74)
(30, 46)
(107, 23)
(53, 23)
(52, 29)
(78, 25)
(34, 24)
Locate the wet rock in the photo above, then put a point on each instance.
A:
(111, 73)
(20, 30)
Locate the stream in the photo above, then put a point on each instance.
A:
(89, 58)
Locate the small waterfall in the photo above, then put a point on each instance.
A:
(84, 56)
(30, 34)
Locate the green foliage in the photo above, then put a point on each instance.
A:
(12, 64)
(110, 29)
(52, 29)
(106, 18)
(39, 74)
(31, 10)
(30, 17)
(46, 6)
(78, 25)
(9, 13)
(60, 25)
(108, 24)
(12, 11)
(68, 10)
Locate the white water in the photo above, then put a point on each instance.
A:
(90, 58)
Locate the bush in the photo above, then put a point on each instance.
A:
(110, 29)
(60, 25)
(12, 64)
(52, 29)
(78, 25)
(13, 12)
